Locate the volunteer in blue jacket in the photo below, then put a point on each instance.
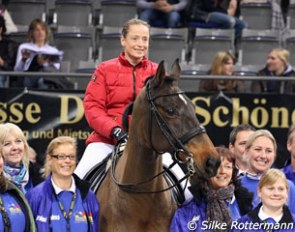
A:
(260, 151)
(63, 202)
(217, 202)
(272, 214)
(15, 212)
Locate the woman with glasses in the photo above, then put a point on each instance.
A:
(219, 200)
(15, 150)
(63, 202)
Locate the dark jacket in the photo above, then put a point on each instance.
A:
(274, 86)
(35, 173)
(198, 10)
(287, 218)
(8, 49)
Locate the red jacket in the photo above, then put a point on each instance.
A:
(114, 84)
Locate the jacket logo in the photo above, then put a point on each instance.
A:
(93, 77)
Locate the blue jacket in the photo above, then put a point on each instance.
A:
(18, 195)
(288, 219)
(40, 200)
(192, 216)
(288, 170)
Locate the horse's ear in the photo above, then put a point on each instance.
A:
(161, 72)
(176, 69)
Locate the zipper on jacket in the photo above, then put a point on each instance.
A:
(134, 82)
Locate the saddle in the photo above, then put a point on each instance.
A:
(97, 174)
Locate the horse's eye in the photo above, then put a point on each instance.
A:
(170, 111)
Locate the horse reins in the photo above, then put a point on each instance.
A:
(176, 143)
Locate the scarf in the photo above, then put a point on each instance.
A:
(18, 175)
(217, 209)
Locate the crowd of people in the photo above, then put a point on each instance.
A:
(38, 55)
(54, 197)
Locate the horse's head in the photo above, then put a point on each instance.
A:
(172, 124)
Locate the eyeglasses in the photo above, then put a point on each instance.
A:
(64, 157)
(227, 167)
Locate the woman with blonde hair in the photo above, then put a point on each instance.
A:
(272, 212)
(15, 150)
(15, 212)
(223, 64)
(37, 55)
(277, 64)
(63, 202)
(260, 152)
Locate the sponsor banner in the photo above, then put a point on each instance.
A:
(44, 115)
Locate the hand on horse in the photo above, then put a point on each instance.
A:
(119, 135)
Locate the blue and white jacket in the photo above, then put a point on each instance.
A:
(41, 197)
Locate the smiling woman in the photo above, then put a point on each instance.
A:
(114, 84)
(218, 202)
(15, 150)
(261, 148)
(272, 211)
(63, 201)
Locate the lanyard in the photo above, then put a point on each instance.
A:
(64, 213)
(5, 217)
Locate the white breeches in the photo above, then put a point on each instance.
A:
(96, 152)
(93, 154)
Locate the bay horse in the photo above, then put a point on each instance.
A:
(132, 196)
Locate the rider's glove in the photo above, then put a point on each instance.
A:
(119, 135)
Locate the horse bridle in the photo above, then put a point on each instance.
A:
(176, 143)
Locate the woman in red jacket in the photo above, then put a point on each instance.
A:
(114, 84)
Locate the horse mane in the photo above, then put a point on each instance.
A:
(128, 111)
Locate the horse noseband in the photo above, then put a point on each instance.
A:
(192, 133)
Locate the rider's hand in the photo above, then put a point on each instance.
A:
(119, 135)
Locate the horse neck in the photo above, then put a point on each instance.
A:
(138, 164)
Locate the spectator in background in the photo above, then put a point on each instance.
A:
(221, 198)
(237, 141)
(272, 211)
(15, 213)
(37, 55)
(261, 150)
(8, 50)
(277, 65)
(63, 195)
(224, 14)
(223, 64)
(32, 155)
(162, 13)
(10, 26)
(289, 169)
(17, 166)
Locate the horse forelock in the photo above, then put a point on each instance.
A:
(155, 84)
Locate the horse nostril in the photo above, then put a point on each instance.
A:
(212, 165)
